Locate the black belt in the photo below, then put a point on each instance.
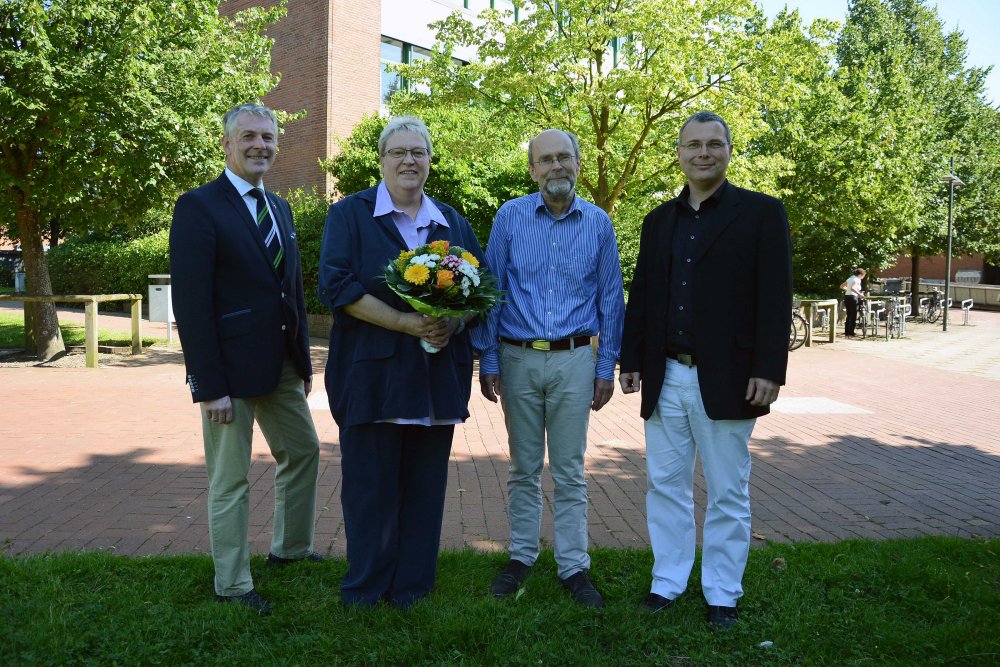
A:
(686, 358)
(550, 345)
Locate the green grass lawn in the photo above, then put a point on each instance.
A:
(12, 334)
(907, 602)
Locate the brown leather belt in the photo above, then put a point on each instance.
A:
(550, 345)
(688, 359)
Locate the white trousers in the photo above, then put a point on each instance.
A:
(677, 429)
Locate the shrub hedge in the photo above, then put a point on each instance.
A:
(77, 266)
(87, 266)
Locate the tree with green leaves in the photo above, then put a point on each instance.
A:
(111, 107)
(622, 76)
(909, 80)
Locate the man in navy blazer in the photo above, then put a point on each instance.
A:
(241, 316)
(706, 342)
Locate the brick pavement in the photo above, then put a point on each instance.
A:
(872, 439)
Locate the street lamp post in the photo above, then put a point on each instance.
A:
(952, 181)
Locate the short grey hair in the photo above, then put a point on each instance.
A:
(229, 119)
(705, 117)
(404, 124)
(569, 135)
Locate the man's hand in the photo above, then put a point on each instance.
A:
(492, 386)
(762, 392)
(219, 410)
(603, 389)
(629, 382)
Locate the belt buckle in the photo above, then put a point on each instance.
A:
(542, 345)
(686, 359)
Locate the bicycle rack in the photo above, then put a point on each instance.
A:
(875, 310)
(966, 311)
(904, 312)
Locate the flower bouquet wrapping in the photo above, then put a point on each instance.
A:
(442, 280)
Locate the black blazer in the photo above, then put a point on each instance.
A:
(742, 302)
(237, 318)
(373, 373)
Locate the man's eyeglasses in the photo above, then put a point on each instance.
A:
(400, 153)
(550, 160)
(712, 146)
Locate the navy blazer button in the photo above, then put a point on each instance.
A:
(283, 327)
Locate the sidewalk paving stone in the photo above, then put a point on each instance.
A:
(871, 439)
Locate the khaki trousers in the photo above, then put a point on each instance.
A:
(288, 428)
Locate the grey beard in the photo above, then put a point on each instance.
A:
(559, 190)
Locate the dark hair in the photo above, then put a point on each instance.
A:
(705, 117)
(860, 272)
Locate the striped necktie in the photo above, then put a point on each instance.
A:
(267, 229)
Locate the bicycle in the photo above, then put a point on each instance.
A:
(934, 303)
(861, 323)
(797, 334)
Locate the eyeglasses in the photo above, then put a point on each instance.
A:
(550, 160)
(713, 146)
(400, 153)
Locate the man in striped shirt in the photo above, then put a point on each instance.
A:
(555, 256)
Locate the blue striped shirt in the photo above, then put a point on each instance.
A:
(561, 278)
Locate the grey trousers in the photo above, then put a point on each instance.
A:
(546, 401)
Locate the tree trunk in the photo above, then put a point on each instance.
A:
(48, 338)
(915, 282)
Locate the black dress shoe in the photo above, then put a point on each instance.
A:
(250, 599)
(510, 578)
(583, 590)
(278, 561)
(722, 618)
(654, 603)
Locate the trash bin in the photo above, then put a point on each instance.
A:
(20, 282)
(161, 307)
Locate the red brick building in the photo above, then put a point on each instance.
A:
(330, 55)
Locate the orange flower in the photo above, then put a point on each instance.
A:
(446, 278)
(439, 247)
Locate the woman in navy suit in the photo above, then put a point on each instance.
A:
(396, 405)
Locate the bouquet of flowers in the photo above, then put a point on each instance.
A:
(442, 280)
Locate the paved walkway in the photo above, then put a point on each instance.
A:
(870, 439)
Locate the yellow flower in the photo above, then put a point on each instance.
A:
(403, 260)
(471, 259)
(445, 278)
(416, 274)
(439, 247)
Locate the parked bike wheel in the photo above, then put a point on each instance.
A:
(933, 313)
(797, 333)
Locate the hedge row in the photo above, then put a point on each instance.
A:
(80, 266)
(108, 267)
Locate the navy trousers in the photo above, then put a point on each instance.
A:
(394, 482)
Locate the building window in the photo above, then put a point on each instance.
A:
(395, 52)
(392, 53)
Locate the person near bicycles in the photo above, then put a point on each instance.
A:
(852, 297)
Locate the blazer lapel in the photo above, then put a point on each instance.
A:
(240, 208)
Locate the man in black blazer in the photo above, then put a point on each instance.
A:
(241, 316)
(706, 342)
